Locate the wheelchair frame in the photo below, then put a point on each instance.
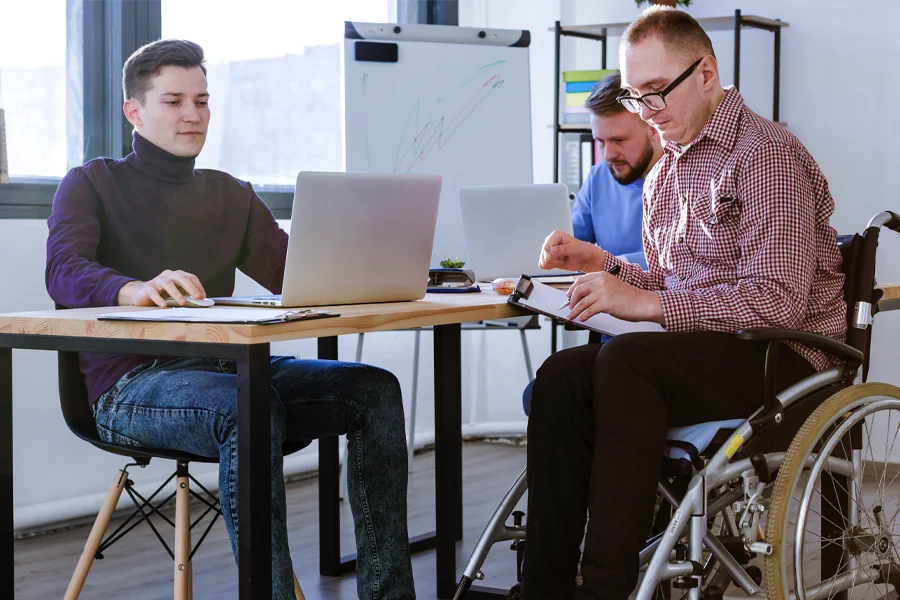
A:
(693, 511)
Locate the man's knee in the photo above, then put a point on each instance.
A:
(622, 354)
(378, 389)
(559, 387)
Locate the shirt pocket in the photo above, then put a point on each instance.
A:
(713, 230)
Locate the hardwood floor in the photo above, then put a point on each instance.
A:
(138, 568)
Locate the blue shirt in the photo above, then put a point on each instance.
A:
(609, 214)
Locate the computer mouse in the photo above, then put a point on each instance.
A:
(191, 302)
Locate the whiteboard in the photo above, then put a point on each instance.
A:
(455, 103)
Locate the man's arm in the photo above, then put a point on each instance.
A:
(652, 277)
(73, 277)
(582, 216)
(264, 250)
(776, 235)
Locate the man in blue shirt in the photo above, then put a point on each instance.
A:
(608, 209)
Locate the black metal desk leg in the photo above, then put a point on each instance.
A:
(447, 453)
(329, 492)
(7, 564)
(254, 473)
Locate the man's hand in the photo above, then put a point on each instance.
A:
(168, 284)
(605, 293)
(562, 251)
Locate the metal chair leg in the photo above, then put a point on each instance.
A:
(96, 537)
(342, 491)
(411, 443)
(183, 574)
(359, 347)
(496, 531)
(528, 368)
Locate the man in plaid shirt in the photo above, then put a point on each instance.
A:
(736, 234)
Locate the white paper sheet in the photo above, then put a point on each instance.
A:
(547, 300)
(211, 315)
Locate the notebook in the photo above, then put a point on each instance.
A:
(546, 300)
(249, 316)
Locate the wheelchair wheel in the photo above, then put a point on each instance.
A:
(834, 516)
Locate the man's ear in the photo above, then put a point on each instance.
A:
(132, 110)
(710, 70)
(654, 135)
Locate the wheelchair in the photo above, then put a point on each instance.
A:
(793, 502)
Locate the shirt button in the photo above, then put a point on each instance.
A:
(683, 199)
(682, 278)
(680, 240)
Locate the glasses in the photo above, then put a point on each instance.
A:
(654, 100)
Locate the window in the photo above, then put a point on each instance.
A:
(41, 141)
(274, 72)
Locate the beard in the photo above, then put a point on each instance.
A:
(635, 171)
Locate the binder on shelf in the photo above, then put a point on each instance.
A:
(587, 156)
(576, 158)
(4, 165)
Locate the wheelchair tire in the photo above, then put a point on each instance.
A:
(816, 430)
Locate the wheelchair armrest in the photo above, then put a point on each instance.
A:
(821, 342)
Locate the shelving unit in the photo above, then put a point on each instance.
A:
(603, 32)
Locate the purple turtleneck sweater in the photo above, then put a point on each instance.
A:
(114, 221)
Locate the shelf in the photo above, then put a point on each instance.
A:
(603, 30)
(572, 128)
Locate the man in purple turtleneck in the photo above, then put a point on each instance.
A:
(150, 226)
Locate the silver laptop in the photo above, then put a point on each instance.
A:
(356, 238)
(505, 226)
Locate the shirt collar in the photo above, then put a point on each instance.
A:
(156, 162)
(722, 127)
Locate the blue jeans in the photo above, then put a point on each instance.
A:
(190, 404)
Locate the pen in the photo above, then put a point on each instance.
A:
(613, 270)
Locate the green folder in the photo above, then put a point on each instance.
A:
(595, 75)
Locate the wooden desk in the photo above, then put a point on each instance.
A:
(248, 346)
(890, 296)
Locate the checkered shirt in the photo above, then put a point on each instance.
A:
(737, 235)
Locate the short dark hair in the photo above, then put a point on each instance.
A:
(149, 59)
(676, 29)
(602, 100)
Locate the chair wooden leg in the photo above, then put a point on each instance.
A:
(182, 534)
(96, 537)
(297, 591)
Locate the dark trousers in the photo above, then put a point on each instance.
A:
(596, 438)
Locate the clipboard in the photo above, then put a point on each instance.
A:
(226, 315)
(545, 300)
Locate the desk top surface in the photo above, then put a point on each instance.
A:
(434, 309)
